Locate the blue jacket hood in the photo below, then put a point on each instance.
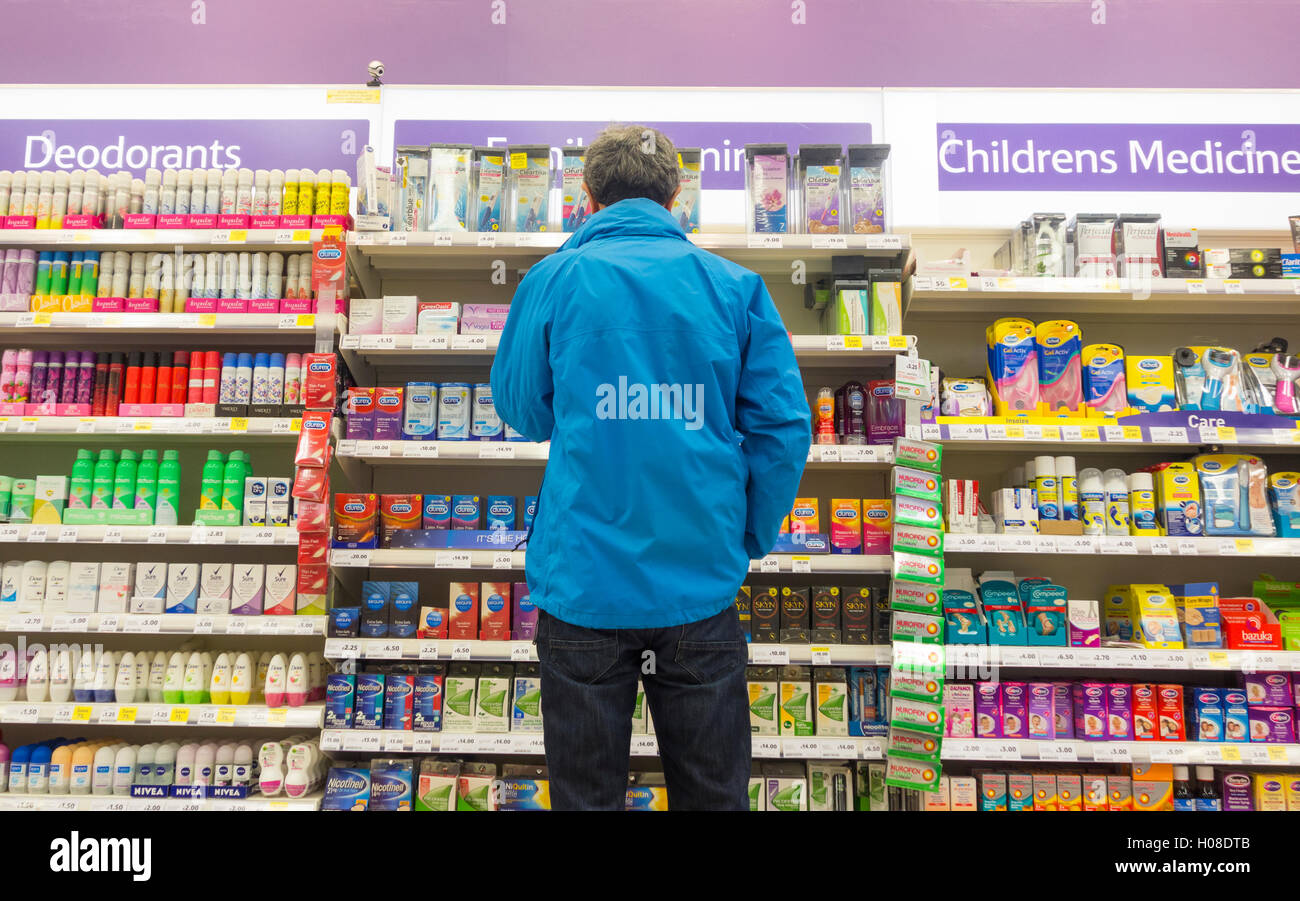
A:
(636, 216)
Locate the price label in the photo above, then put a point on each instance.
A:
(1278, 754)
(830, 454)
(1229, 754)
(374, 449)
(452, 560)
(207, 716)
(342, 649)
(78, 623)
(469, 342)
(1163, 435)
(394, 741)
(37, 534)
(884, 242)
(305, 625)
(1113, 752)
(1164, 753)
(1170, 660)
(430, 342)
(1160, 547)
(771, 654)
(1011, 656)
(1195, 286)
(821, 656)
(108, 622)
(422, 743)
(180, 715)
(257, 536)
(830, 242)
(428, 650)
(964, 750)
(521, 651)
(487, 239)
(378, 342)
(1233, 286)
(384, 650)
(760, 747)
(503, 560)
(1187, 548)
(1227, 548)
(770, 564)
(1018, 544)
(349, 342)
(204, 625)
(143, 624)
(967, 432)
(9, 533)
(1110, 545)
(68, 535)
(496, 451)
(764, 242)
(350, 557)
(113, 535)
(398, 239)
(425, 449)
(156, 535)
(801, 564)
(237, 625)
(461, 650)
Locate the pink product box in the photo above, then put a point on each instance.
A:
(343, 222)
(203, 220)
(140, 305)
(1119, 711)
(20, 221)
(1268, 689)
(295, 222)
(298, 305)
(231, 305)
(82, 220)
(1063, 710)
(1272, 724)
(1090, 711)
(139, 220)
(1041, 706)
(959, 711)
(151, 410)
(483, 318)
(173, 220)
(263, 221)
(266, 305)
(13, 409)
(49, 409)
(988, 712)
(200, 305)
(232, 220)
(1014, 699)
(15, 303)
(108, 305)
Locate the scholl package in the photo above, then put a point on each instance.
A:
(1178, 499)
(390, 784)
(346, 788)
(1284, 494)
(1012, 366)
(1059, 347)
(1105, 389)
(1151, 383)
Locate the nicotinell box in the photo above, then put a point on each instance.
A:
(340, 689)
(495, 693)
(832, 699)
(463, 611)
(346, 788)
(391, 783)
(846, 526)
(787, 793)
(526, 715)
(426, 713)
(399, 690)
(369, 703)
(436, 785)
(459, 696)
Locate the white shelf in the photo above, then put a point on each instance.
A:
(431, 453)
(162, 238)
(1166, 546)
(525, 651)
(149, 714)
(292, 326)
(245, 536)
(118, 803)
(422, 558)
(1121, 752)
(162, 623)
(1110, 659)
(375, 741)
(252, 427)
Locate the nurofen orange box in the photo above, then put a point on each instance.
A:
(1153, 786)
(1095, 792)
(1045, 797)
(1020, 792)
(1119, 793)
(877, 525)
(1069, 791)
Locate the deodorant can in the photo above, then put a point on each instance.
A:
(1092, 502)
(1067, 485)
(1045, 485)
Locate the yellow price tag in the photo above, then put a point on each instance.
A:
(352, 95)
(81, 714)
(239, 424)
(306, 320)
(207, 320)
(295, 425)
(142, 425)
(276, 716)
(1227, 433)
(1218, 659)
(331, 231)
(179, 715)
(1090, 433)
(853, 342)
(126, 714)
(43, 318)
(898, 342)
(1245, 546)
(1230, 754)
(277, 805)
(1277, 754)
(1132, 433)
(1051, 433)
(958, 284)
(226, 715)
(680, 164)
(302, 234)
(238, 235)
(1016, 431)
(518, 161)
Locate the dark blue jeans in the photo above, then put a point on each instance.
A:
(694, 678)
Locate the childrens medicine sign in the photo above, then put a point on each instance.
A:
(1107, 157)
(135, 145)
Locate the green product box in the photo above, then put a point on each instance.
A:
(916, 483)
(914, 745)
(218, 518)
(925, 455)
(918, 539)
(904, 772)
(918, 568)
(909, 627)
(915, 597)
(916, 715)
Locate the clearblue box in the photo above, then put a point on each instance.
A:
(390, 784)
(500, 512)
(340, 689)
(403, 609)
(466, 511)
(399, 692)
(374, 609)
(523, 618)
(437, 511)
(427, 703)
(369, 702)
(346, 788)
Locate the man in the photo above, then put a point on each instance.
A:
(668, 388)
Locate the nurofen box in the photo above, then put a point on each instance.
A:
(914, 597)
(903, 772)
(916, 627)
(494, 611)
(1272, 724)
(1119, 792)
(912, 511)
(1069, 791)
(1169, 701)
(1153, 786)
(877, 525)
(1268, 689)
(1020, 792)
(993, 792)
(918, 539)
(916, 685)
(1045, 792)
(462, 609)
(1095, 796)
(918, 568)
(916, 745)
(846, 526)
(916, 715)
(915, 483)
(919, 454)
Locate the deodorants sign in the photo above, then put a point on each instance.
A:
(1240, 158)
(723, 143)
(134, 145)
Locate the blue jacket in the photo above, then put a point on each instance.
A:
(679, 429)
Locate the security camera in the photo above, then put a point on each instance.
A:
(376, 71)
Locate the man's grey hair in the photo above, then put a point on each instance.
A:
(631, 161)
